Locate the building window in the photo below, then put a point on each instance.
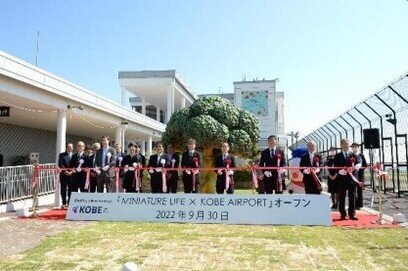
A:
(137, 108)
(151, 111)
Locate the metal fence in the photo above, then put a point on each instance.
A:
(16, 182)
(386, 110)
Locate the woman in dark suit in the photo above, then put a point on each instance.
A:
(224, 177)
(132, 181)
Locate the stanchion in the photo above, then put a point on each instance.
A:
(35, 191)
(381, 177)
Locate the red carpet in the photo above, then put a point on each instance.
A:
(365, 220)
(54, 214)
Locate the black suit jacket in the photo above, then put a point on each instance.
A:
(75, 161)
(63, 160)
(154, 163)
(330, 162)
(90, 161)
(187, 162)
(305, 162)
(268, 161)
(173, 174)
(345, 181)
(129, 161)
(119, 154)
(219, 162)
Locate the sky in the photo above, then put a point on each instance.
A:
(328, 54)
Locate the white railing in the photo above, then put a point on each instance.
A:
(16, 181)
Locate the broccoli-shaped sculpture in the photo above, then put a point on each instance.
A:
(210, 121)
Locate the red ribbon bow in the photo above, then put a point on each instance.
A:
(195, 161)
(316, 160)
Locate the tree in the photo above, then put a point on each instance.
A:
(210, 121)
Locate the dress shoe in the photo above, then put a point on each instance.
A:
(353, 218)
(343, 218)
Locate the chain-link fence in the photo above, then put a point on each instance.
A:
(386, 110)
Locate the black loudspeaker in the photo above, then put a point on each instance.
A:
(371, 138)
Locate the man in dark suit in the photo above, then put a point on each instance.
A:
(64, 160)
(272, 179)
(78, 162)
(311, 159)
(174, 163)
(360, 174)
(346, 182)
(157, 162)
(222, 161)
(105, 161)
(191, 159)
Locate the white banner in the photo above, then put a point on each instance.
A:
(202, 208)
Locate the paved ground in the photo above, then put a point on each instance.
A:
(390, 202)
(17, 235)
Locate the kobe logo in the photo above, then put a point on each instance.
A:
(75, 209)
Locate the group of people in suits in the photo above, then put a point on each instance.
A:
(345, 176)
(100, 157)
(101, 160)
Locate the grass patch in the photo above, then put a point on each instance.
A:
(162, 246)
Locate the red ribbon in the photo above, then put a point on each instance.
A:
(195, 161)
(117, 178)
(88, 179)
(352, 161)
(164, 181)
(254, 180)
(279, 180)
(317, 181)
(316, 161)
(136, 181)
(227, 177)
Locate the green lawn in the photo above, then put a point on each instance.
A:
(161, 246)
